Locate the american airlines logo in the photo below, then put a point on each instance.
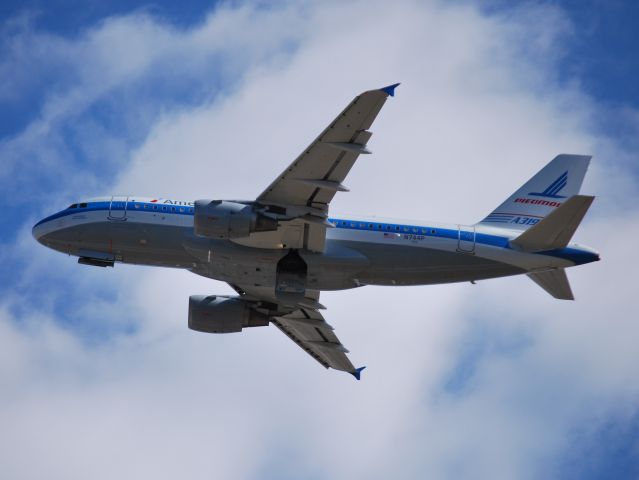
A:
(172, 202)
(554, 188)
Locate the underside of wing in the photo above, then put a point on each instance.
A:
(310, 331)
(317, 174)
(305, 325)
(300, 196)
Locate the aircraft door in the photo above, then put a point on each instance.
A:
(466, 239)
(117, 208)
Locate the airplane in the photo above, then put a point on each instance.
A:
(279, 251)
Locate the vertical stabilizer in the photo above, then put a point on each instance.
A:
(554, 282)
(549, 189)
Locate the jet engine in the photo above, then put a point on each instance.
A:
(223, 219)
(222, 314)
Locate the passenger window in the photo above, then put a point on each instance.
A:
(164, 209)
(155, 207)
(173, 209)
(397, 228)
(181, 210)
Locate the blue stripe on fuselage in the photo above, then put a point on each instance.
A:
(131, 207)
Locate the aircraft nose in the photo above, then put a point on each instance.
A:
(36, 231)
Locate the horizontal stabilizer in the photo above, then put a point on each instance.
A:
(554, 282)
(557, 228)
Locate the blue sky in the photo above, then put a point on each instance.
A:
(194, 101)
(599, 49)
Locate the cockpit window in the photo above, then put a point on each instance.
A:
(75, 205)
(83, 205)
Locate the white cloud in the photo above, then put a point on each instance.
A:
(479, 111)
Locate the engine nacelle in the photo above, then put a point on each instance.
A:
(221, 314)
(222, 219)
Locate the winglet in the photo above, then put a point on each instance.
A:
(357, 373)
(390, 90)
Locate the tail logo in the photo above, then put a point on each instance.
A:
(554, 188)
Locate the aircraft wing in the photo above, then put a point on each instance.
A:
(305, 325)
(309, 330)
(301, 193)
(315, 175)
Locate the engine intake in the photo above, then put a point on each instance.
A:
(222, 314)
(222, 219)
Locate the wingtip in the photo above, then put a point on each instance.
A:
(390, 90)
(358, 372)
